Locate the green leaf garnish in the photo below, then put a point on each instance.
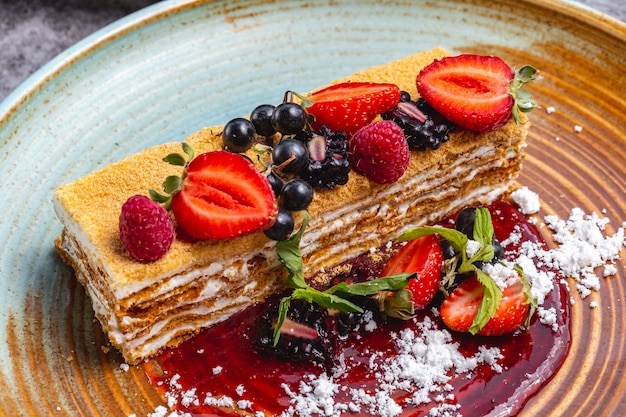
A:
(491, 300)
(173, 183)
(175, 159)
(483, 233)
(523, 101)
(532, 301)
(335, 297)
(189, 151)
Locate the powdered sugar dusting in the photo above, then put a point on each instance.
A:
(425, 362)
(583, 248)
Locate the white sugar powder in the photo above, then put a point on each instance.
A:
(528, 201)
(425, 362)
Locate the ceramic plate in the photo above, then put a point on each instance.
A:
(171, 69)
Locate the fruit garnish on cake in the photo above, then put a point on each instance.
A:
(271, 205)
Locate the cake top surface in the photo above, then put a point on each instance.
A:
(91, 204)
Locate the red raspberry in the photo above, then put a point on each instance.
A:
(146, 229)
(379, 151)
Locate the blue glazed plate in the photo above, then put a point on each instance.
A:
(177, 66)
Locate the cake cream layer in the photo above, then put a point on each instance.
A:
(147, 307)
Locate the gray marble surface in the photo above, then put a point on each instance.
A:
(32, 32)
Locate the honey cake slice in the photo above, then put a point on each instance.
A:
(145, 308)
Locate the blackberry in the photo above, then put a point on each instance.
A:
(308, 342)
(328, 158)
(426, 108)
(420, 129)
(346, 323)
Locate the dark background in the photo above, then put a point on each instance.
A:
(32, 32)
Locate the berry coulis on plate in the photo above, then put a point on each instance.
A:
(222, 359)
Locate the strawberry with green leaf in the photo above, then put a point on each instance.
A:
(220, 195)
(478, 304)
(460, 310)
(478, 93)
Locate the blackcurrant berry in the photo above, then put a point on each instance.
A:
(282, 227)
(239, 135)
(276, 182)
(465, 221)
(297, 195)
(288, 118)
(261, 118)
(290, 155)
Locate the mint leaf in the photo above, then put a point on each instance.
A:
(491, 300)
(457, 239)
(326, 300)
(290, 256)
(532, 301)
(389, 283)
(283, 308)
(483, 233)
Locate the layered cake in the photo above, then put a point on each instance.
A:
(145, 307)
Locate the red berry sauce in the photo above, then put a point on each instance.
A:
(222, 360)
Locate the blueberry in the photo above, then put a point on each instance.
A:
(290, 155)
(297, 195)
(261, 118)
(288, 118)
(282, 227)
(239, 135)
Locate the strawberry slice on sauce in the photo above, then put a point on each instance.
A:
(459, 308)
(423, 256)
(347, 107)
(223, 196)
(478, 93)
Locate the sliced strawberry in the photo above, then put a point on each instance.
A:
(223, 196)
(478, 93)
(423, 256)
(461, 306)
(346, 107)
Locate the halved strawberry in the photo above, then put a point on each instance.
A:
(475, 92)
(461, 306)
(223, 196)
(346, 107)
(424, 257)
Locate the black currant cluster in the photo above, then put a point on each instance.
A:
(465, 224)
(423, 127)
(300, 161)
(310, 333)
